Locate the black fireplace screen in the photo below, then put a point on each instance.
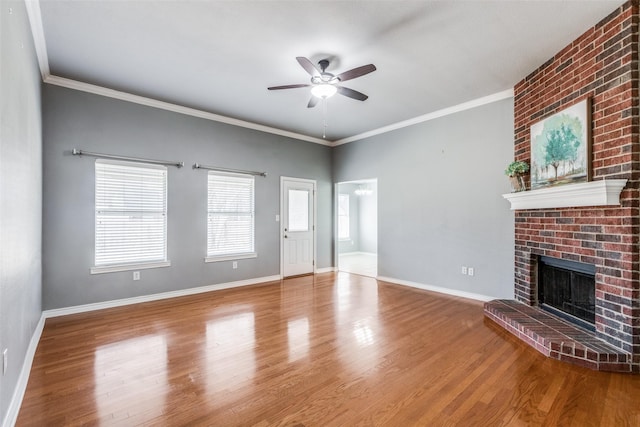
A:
(569, 287)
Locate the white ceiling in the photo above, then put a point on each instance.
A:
(220, 56)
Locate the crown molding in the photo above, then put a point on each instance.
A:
(505, 94)
(37, 31)
(142, 100)
(125, 96)
(35, 20)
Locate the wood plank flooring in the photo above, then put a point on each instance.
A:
(325, 350)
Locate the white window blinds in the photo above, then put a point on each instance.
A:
(230, 219)
(131, 213)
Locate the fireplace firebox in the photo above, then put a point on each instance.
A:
(567, 289)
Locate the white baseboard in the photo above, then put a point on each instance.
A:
(155, 297)
(357, 253)
(325, 270)
(447, 291)
(21, 386)
(347, 253)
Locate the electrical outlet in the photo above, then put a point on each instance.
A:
(136, 275)
(464, 270)
(5, 360)
(470, 271)
(235, 264)
(277, 218)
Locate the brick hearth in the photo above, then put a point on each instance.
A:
(556, 338)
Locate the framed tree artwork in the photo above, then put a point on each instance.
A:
(561, 147)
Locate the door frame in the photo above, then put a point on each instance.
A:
(314, 216)
(336, 188)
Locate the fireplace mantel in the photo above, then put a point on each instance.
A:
(605, 192)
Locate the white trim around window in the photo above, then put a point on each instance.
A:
(230, 216)
(129, 267)
(130, 216)
(231, 257)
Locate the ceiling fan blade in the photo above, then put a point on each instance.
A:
(308, 66)
(352, 93)
(313, 101)
(356, 72)
(288, 87)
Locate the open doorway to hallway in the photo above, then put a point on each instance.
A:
(357, 230)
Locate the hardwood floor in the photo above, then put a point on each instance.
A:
(329, 350)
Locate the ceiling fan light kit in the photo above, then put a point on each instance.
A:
(324, 85)
(324, 90)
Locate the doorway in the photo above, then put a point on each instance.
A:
(357, 227)
(297, 226)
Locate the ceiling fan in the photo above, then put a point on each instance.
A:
(324, 85)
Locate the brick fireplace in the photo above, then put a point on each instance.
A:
(602, 65)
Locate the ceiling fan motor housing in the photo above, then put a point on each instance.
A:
(323, 63)
(324, 77)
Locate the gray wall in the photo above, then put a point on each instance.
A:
(439, 198)
(20, 193)
(73, 119)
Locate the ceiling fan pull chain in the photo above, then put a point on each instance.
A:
(324, 118)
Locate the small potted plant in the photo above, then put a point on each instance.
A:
(516, 172)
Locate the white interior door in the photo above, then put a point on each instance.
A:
(298, 226)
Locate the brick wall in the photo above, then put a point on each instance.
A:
(601, 65)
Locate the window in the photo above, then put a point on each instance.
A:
(230, 219)
(131, 216)
(298, 210)
(343, 216)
